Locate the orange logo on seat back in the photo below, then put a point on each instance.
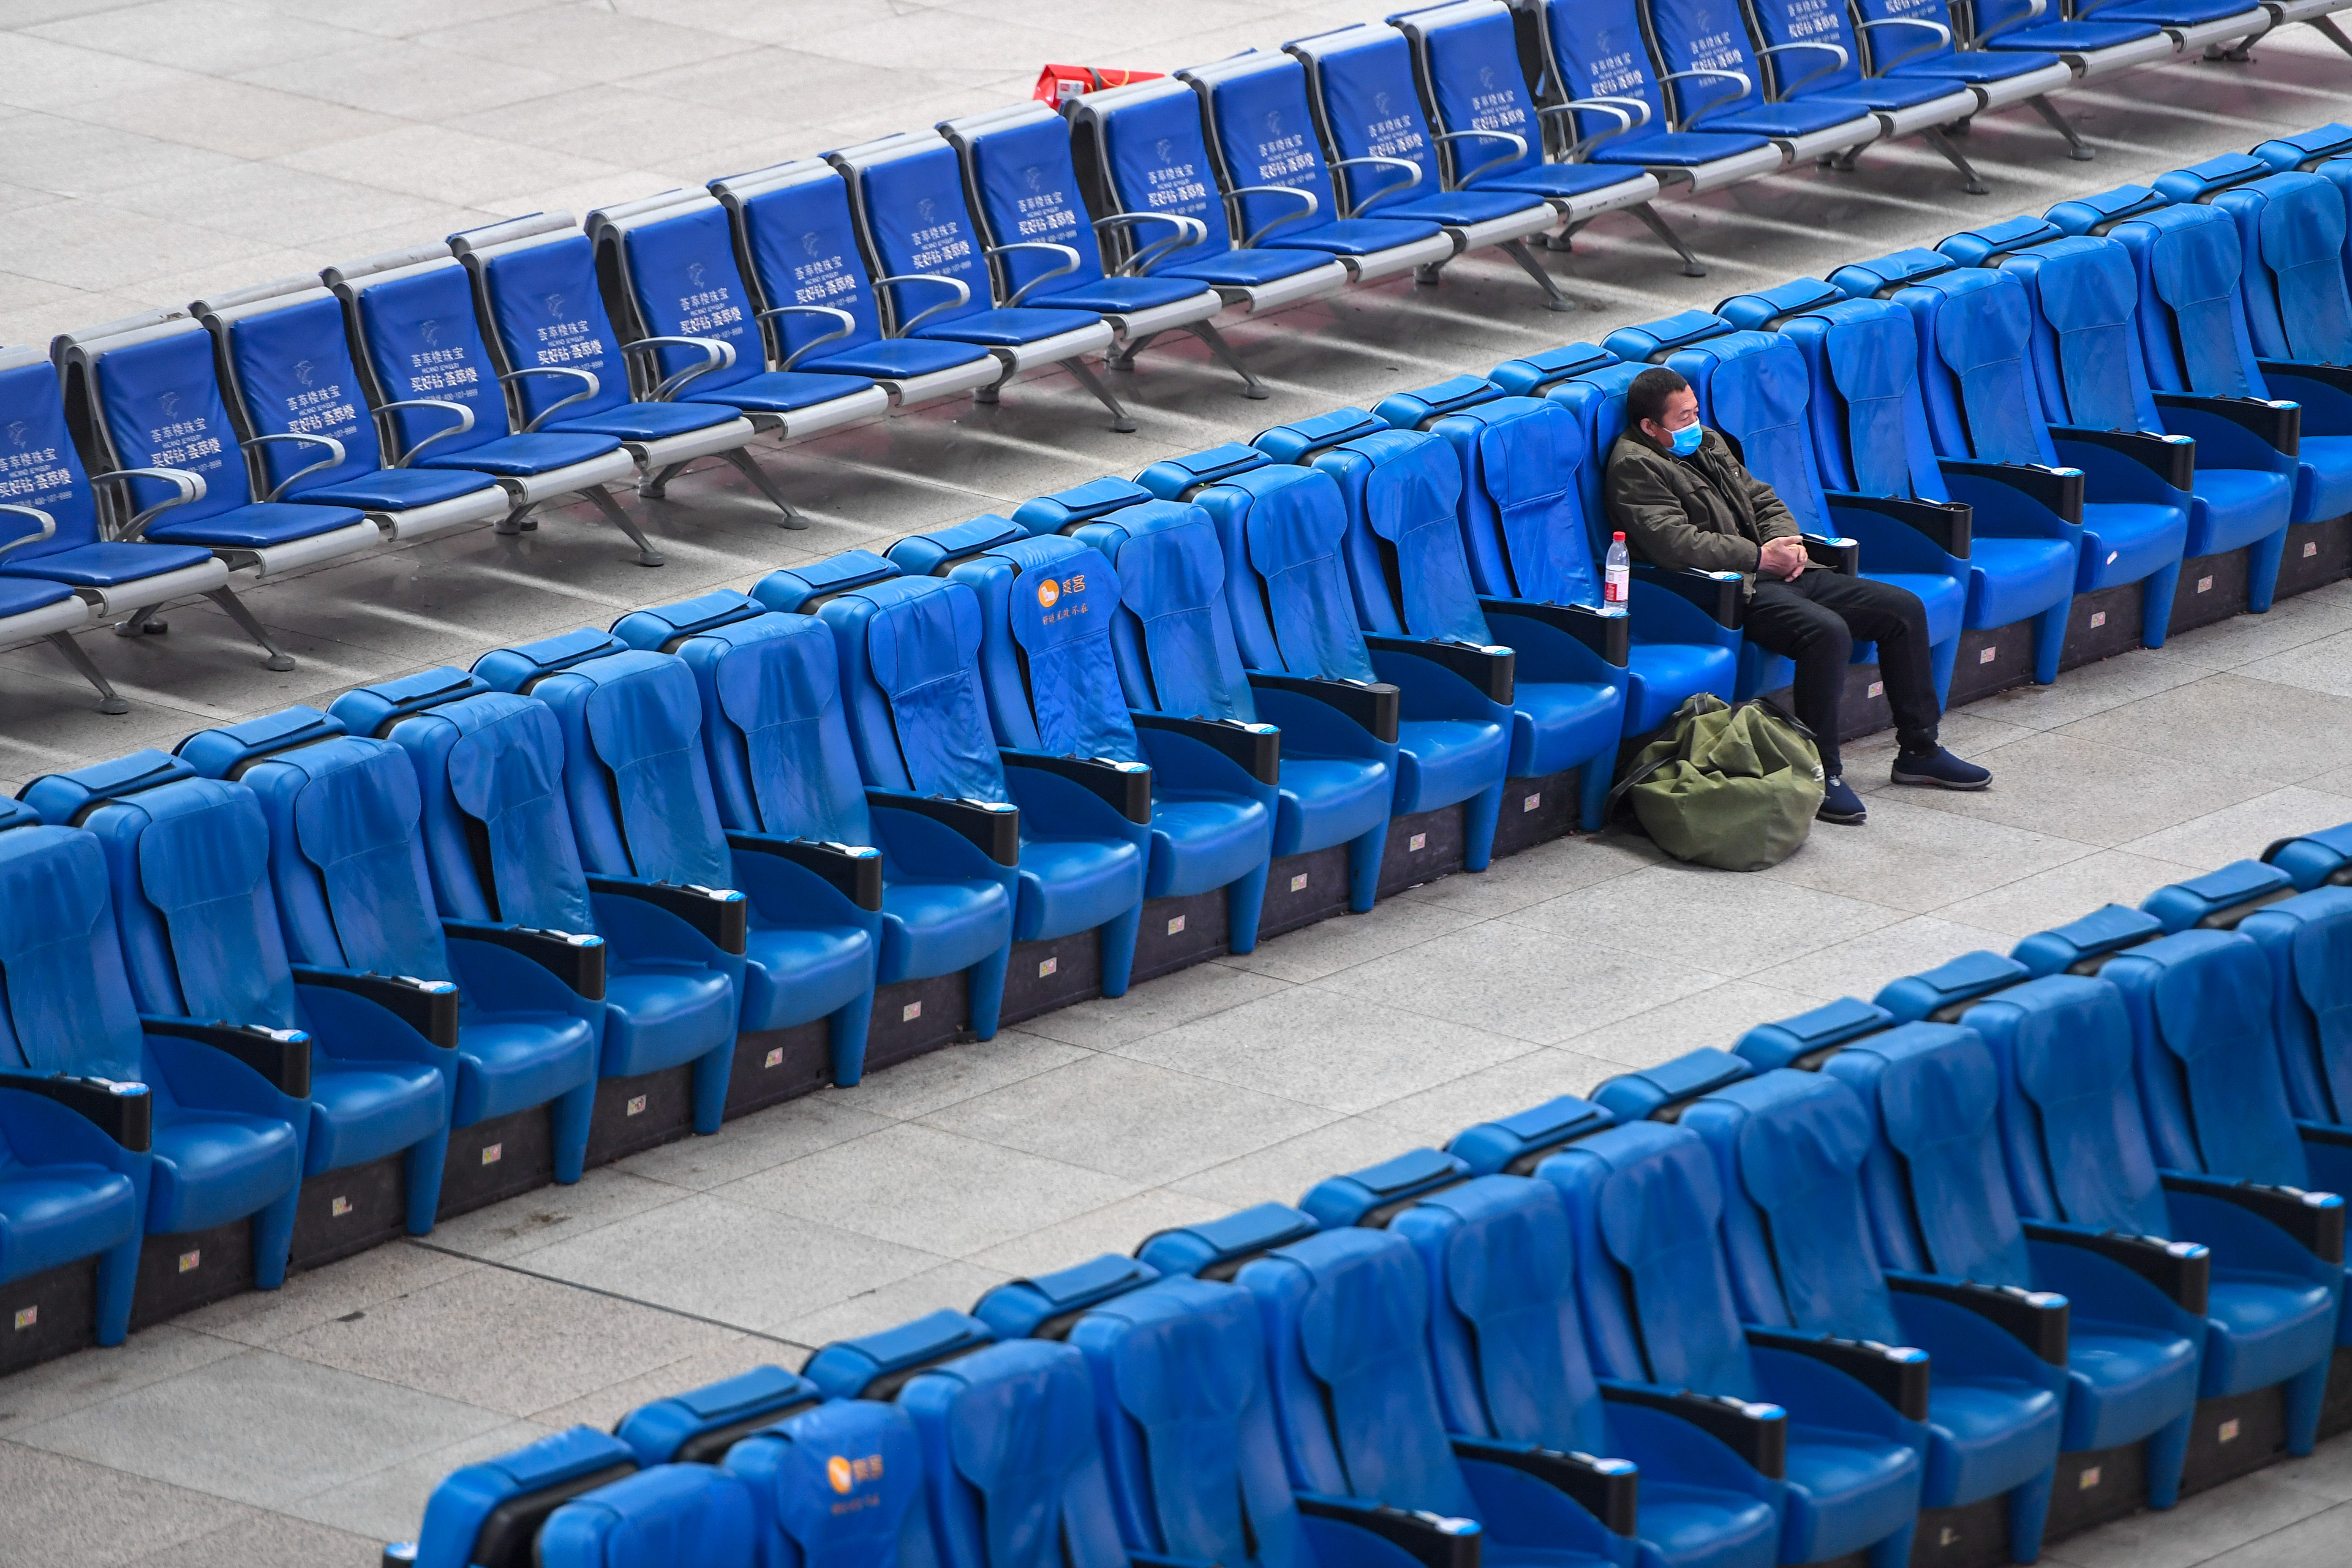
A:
(1048, 592)
(836, 1470)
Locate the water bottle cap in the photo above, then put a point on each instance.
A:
(1620, 537)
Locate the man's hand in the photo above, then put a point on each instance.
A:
(1783, 558)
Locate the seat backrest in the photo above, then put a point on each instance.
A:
(1142, 149)
(1220, 1249)
(2083, 945)
(906, 191)
(1659, 1091)
(796, 245)
(1927, 36)
(535, 278)
(1788, 1148)
(909, 654)
(346, 857)
(1645, 1208)
(2291, 233)
(188, 861)
(1807, 1039)
(1704, 36)
(487, 1514)
(669, 262)
(69, 1004)
(668, 1514)
(1942, 994)
(1262, 133)
(2071, 1134)
(1976, 373)
(1596, 49)
(153, 400)
(1378, 1192)
(39, 465)
(1022, 188)
(2308, 940)
(1515, 1145)
(877, 1365)
(2200, 1006)
(837, 1486)
(2306, 148)
(1752, 387)
(1869, 419)
(289, 369)
(775, 734)
(2192, 322)
(1809, 30)
(2085, 341)
(1011, 1460)
(418, 339)
(1466, 56)
(1172, 637)
(1503, 1332)
(701, 1425)
(1047, 1306)
(1362, 89)
(1188, 1428)
(1523, 518)
(1045, 663)
(1346, 1314)
(1938, 1194)
(1281, 529)
(2323, 858)
(2219, 898)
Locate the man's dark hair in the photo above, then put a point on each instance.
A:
(1646, 398)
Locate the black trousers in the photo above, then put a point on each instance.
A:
(1817, 619)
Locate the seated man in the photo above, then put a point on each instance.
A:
(1681, 500)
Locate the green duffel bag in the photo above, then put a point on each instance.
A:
(1734, 787)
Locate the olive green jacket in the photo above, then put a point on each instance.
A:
(1706, 511)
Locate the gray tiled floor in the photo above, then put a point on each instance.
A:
(151, 152)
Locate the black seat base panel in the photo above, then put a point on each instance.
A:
(2317, 554)
(2118, 611)
(2096, 1487)
(773, 1066)
(634, 1114)
(497, 1159)
(1046, 974)
(2212, 588)
(2011, 664)
(1860, 713)
(1422, 848)
(179, 1273)
(44, 1316)
(1302, 888)
(1974, 1535)
(1536, 810)
(372, 1201)
(1179, 932)
(942, 1016)
(2234, 1435)
(2335, 1405)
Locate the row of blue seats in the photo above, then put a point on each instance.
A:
(2025, 1244)
(1110, 723)
(797, 297)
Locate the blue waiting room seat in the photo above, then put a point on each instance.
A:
(1280, 528)
(1022, 184)
(1812, 54)
(776, 737)
(188, 859)
(1898, 39)
(1715, 82)
(819, 310)
(441, 401)
(1079, 832)
(1172, 642)
(1047, 605)
(666, 397)
(355, 898)
(2093, 50)
(61, 567)
(639, 791)
(907, 202)
(297, 398)
(489, 1512)
(1412, 497)
(499, 845)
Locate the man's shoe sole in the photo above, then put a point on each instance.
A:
(1900, 777)
(1843, 819)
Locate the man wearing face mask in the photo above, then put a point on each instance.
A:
(1683, 500)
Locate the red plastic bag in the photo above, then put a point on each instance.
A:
(1059, 84)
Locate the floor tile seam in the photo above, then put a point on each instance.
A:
(624, 1297)
(682, 1192)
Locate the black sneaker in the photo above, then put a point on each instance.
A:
(1940, 769)
(1841, 805)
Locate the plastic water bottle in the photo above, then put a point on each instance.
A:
(1617, 578)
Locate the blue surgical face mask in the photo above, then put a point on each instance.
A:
(1688, 439)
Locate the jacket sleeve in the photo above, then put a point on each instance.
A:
(1646, 509)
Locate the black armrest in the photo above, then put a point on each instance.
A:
(1757, 1433)
(1256, 747)
(2319, 1226)
(1126, 788)
(1490, 669)
(1609, 635)
(281, 1056)
(2281, 428)
(572, 957)
(855, 870)
(1607, 1488)
(721, 914)
(1372, 704)
(2060, 489)
(1897, 1377)
(1842, 556)
(2174, 462)
(124, 1111)
(2182, 1269)
(1436, 1541)
(2324, 1134)
(2336, 376)
(1161, 1559)
(427, 1006)
(993, 826)
(2038, 1319)
(1946, 522)
(1722, 598)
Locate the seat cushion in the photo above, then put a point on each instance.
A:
(2072, 37)
(215, 1166)
(2128, 1379)
(1482, 206)
(1880, 92)
(1660, 677)
(363, 1111)
(540, 452)
(650, 421)
(896, 359)
(52, 1215)
(2234, 507)
(1800, 118)
(256, 526)
(1556, 179)
(1330, 800)
(1560, 723)
(1119, 295)
(2010, 579)
(1675, 149)
(1990, 1433)
(1977, 65)
(1009, 329)
(2324, 487)
(507, 1061)
(2172, 13)
(659, 1017)
(939, 927)
(793, 974)
(105, 566)
(1070, 885)
(1441, 761)
(1703, 1525)
(1243, 268)
(1351, 235)
(19, 595)
(783, 391)
(397, 490)
(1200, 841)
(2125, 541)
